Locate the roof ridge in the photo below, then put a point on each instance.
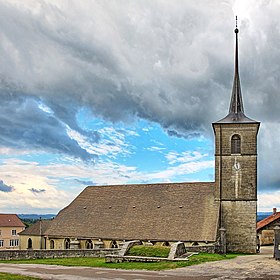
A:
(267, 220)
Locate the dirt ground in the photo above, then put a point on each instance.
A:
(260, 266)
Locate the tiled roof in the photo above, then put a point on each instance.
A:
(183, 211)
(10, 220)
(261, 224)
(35, 228)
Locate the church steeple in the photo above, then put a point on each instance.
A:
(236, 110)
(236, 104)
(236, 170)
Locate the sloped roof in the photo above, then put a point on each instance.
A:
(37, 229)
(10, 220)
(268, 220)
(179, 211)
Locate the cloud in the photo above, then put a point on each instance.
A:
(37, 191)
(86, 183)
(184, 157)
(155, 149)
(32, 128)
(266, 201)
(24, 198)
(146, 72)
(5, 188)
(169, 63)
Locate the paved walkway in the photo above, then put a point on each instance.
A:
(261, 266)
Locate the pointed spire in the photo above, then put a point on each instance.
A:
(236, 110)
(236, 104)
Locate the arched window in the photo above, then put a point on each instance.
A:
(235, 144)
(52, 244)
(29, 243)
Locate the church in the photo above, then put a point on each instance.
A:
(216, 213)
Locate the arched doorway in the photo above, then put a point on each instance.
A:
(67, 243)
(29, 243)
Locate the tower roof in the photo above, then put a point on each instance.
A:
(236, 111)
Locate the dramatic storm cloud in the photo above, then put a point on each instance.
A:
(24, 125)
(169, 63)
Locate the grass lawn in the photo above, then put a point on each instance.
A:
(100, 262)
(7, 276)
(149, 251)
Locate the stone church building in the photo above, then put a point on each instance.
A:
(214, 213)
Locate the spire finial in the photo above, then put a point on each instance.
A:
(236, 27)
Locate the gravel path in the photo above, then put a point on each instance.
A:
(261, 266)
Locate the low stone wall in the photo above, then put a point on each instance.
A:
(127, 245)
(211, 249)
(48, 254)
(177, 249)
(119, 259)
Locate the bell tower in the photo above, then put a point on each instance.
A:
(236, 170)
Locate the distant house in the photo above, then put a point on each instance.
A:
(33, 236)
(10, 227)
(265, 228)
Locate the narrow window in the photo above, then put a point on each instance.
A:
(235, 144)
(1, 243)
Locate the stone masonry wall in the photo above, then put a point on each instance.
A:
(236, 184)
(211, 249)
(239, 219)
(241, 183)
(47, 254)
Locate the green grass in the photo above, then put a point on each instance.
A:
(149, 251)
(100, 262)
(7, 276)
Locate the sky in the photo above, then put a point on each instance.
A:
(119, 92)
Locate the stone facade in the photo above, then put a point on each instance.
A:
(60, 243)
(266, 237)
(236, 184)
(32, 242)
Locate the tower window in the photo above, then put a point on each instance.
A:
(235, 144)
